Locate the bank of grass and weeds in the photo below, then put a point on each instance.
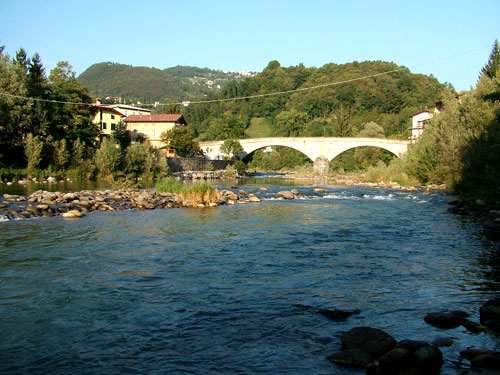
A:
(191, 195)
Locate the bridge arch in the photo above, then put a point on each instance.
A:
(338, 151)
(250, 150)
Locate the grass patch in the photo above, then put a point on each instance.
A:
(259, 128)
(191, 195)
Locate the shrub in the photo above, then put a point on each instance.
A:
(108, 158)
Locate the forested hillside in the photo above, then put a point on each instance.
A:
(333, 110)
(150, 84)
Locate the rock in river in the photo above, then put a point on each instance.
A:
(73, 214)
(285, 194)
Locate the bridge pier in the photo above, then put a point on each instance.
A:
(321, 165)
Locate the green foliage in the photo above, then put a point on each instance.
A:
(290, 123)
(460, 147)
(259, 127)
(61, 154)
(138, 159)
(77, 153)
(227, 127)
(108, 158)
(333, 110)
(191, 195)
(69, 121)
(169, 185)
(492, 67)
(395, 171)
(33, 151)
(240, 167)
(182, 140)
(277, 159)
(122, 135)
(159, 165)
(232, 148)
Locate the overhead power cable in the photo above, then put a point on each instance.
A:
(266, 94)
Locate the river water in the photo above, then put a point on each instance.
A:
(236, 289)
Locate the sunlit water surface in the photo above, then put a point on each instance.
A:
(235, 289)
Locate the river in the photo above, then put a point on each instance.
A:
(235, 289)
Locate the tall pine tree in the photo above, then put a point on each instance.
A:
(492, 67)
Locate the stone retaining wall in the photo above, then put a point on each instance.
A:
(196, 164)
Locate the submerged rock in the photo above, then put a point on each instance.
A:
(358, 358)
(337, 314)
(321, 191)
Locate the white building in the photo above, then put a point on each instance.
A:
(419, 119)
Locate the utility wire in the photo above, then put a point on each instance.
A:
(267, 94)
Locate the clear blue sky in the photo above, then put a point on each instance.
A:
(237, 35)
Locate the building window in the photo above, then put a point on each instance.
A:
(152, 133)
(104, 125)
(112, 117)
(113, 126)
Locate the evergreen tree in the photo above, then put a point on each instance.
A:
(37, 88)
(12, 111)
(492, 67)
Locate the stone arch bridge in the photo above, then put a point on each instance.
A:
(321, 150)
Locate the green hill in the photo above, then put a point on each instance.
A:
(340, 104)
(151, 84)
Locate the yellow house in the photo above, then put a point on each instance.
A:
(106, 119)
(152, 126)
(108, 116)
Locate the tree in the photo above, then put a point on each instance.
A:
(492, 67)
(68, 120)
(366, 156)
(13, 115)
(232, 148)
(61, 154)
(290, 123)
(78, 152)
(108, 158)
(138, 159)
(372, 130)
(122, 135)
(182, 140)
(33, 151)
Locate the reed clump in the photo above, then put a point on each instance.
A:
(193, 195)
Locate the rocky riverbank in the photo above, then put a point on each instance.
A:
(74, 205)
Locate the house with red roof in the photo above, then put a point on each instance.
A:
(152, 126)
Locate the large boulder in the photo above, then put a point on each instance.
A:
(373, 340)
(228, 195)
(285, 194)
(392, 362)
(490, 311)
(428, 359)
